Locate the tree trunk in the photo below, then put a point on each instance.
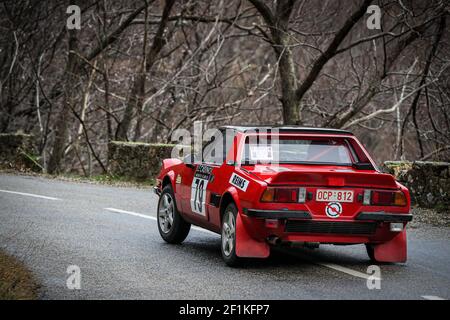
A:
(136, 98)
(70, 77)
(288, 81)
(134, 102)
(63, 117)
(292, 94)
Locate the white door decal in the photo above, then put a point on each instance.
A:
(198, 189)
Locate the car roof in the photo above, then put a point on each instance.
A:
(281, 128)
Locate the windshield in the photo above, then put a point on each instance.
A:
(335, 151)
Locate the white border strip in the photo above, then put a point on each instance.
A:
(131, 213)
(140, 215)
(30, 195)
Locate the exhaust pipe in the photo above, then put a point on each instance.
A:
(274, 240)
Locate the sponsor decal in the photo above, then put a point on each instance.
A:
(239, 182)
(178, 180)
(198, 189)
(333, 209)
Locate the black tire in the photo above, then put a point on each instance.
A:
(177, 231)
(229, 256)
(371, 252)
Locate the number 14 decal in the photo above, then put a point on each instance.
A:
(198, 195)
(198, 189)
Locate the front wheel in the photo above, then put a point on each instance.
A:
(171, 225)
(229, 236)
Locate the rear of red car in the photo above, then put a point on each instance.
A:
(323, 187)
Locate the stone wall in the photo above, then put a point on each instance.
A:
(17, 152)
(138, 161)
(428, 182)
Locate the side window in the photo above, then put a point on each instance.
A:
(216, 149)
(213, 151)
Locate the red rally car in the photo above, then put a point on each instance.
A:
(270, 186)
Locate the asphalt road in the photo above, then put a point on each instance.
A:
(111, 235)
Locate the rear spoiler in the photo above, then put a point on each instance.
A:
(336, 179)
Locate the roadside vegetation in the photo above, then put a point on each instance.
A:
(16, 281)
(138, 71)
(426, 216)
(106, 179)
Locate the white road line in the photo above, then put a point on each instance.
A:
(154, 218)
(30, 195)
(337, 267)
(432, 298)
(131, 213)
(347, 270)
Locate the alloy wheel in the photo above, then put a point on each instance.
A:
(228, 233)
(166, 213)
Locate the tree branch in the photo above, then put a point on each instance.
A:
(113, 36)
(265, 11)
(331, 50)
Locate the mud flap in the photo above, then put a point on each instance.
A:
(247, 247)
(394, 250)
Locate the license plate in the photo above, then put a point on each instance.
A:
(334, 195)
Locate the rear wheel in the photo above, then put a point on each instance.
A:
(229, 236)
(171, 225)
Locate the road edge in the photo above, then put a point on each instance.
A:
(16, 280)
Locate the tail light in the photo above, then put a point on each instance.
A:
(284, 195)
(384, 198)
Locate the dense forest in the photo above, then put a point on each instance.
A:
(138, 70)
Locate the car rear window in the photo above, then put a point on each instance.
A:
(295, 150)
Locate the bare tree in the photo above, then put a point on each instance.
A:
(138, 88)
(141, 70)
(70, 78)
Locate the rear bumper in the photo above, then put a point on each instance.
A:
(384, 216)
(301, 226)
(291, 214)
(277, 214)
